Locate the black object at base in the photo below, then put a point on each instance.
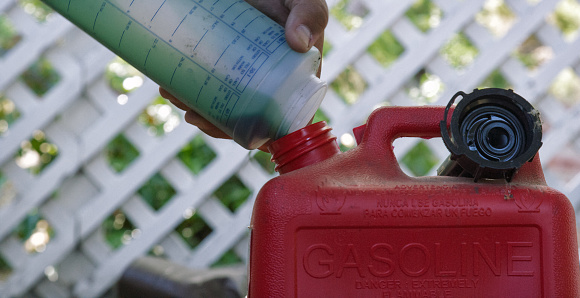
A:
(490, 134)
(156, 277)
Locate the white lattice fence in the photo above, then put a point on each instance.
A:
(79, 191)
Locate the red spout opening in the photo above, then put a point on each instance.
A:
(309, 145)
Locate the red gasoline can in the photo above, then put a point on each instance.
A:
(354, 225)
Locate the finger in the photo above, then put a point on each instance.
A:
(305, 24)
(319, 44)
(176, 102)
(207, 127)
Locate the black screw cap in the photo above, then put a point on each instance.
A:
(491, 133)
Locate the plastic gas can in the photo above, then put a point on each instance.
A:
(354, 225)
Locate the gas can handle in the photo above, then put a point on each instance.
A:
(386, 124)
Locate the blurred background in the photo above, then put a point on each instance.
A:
(97, 170)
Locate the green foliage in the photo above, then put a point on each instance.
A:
(8, 35)
(37, 9)
(532, 53)
(122, 77)
(34, 232)
(525, 50)
(342, 13)
(420, 159)
(496, 17)
(344, 148)
(424, 14)
(8, 114)
(567, 18)
(265, 161)
(120, 153)
(349, 85)
(386, 49)
(157, 191)
(233, 193)
(527, 59)
(159, 117)
(117, 229)
(40, 77)
(5, 269)
(25, 229)
(193, 230)
(327, 47)
(425, 88)
(566, 87)
(346, 142)
(320, 116)
(36, 154)
(459, 51)
(228, 258)
(196, 155)
(495, 80)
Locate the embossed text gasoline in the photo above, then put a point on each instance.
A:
(322, 260)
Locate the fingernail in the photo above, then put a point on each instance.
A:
(304, 35)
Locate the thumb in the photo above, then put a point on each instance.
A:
(305, 24)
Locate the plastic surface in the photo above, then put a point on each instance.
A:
(309, 145)
(223, 58)
(355, 225)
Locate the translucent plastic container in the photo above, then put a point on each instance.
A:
(223, 58)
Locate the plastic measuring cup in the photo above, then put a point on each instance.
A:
(222, 58)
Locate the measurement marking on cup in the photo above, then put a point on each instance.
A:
(241, 13)
(223, 13)
(179, 25)
(178, 66)
(222, 55)
(200, 40)
(146, 57)
(198, 94)
(98, 12)
(68, 7)
(121, 39)
(251, 21)
(149, 52)
(158, 10)
(171, 81)
(123, 34)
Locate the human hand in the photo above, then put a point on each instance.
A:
(304, 22)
